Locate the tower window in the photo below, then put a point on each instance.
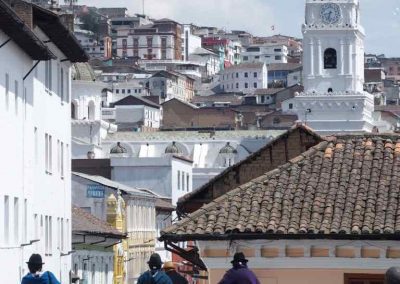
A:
(330, 59)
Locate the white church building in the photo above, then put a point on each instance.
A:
(333, 71)
(35, 197)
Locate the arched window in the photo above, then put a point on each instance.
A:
(73, 111)
(330, 59)
(91, 111)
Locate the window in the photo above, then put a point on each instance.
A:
(245, 58)
(16, 96)
(48, 75)
(50, 235)
(237, 85)
(149, 41)
(35, 134)
(25, 222)
(246, 75)
(7, 91)
(330, 59)
(278, 57)
(179, 180)
(62, 234)
(62, 160)
(246, 85)
(237, 75)
(62, 84)
(6, 219)
(257, 57)
(16, 220)
(117, 91)
(290, 106)
(262, 99)
(187, 182)
(255, 74)
(278, 50)
(123, 91)
(58, 156)
(255, 85)
(46, 234)
(129, 91)
(183, 181)
(48, 153)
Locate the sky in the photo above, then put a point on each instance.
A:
(380, 18)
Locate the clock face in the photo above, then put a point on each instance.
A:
(330, 13)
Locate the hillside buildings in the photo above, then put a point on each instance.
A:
(245, 78)
(35, 86)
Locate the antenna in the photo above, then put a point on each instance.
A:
(143, 6)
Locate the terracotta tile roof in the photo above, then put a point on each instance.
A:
(189, 197)
(346, 187)
(284, 66)
(84, 222)
(269, 91)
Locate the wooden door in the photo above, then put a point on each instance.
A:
(364, 279)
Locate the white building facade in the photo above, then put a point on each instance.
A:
(333, 70)
(267, 54)
(35, 202)
(190, 42)
(245, 77)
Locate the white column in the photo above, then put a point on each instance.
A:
(341, 57)
(349, 58)
(311, 54)
(320, 59)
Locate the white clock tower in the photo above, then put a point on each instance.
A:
(333, 69)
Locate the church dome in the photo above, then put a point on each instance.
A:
(228, 149)
(118, 149)
(173, 149)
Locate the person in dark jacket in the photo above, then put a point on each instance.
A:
(239, 273)
(35, 275)
(392, 275)
(170, 270)
(154, 275)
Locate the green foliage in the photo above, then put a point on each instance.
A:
(90, 21)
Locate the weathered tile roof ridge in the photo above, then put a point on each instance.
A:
(190, 195)
(59, 34)
(345, 187)
(13, 26)
(84, 222)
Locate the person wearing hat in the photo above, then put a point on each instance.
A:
(239, 273)
(35, 275)
(154, 275)
(392, 275)
(176, 278)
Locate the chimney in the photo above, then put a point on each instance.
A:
(68, 21)
(23, 10)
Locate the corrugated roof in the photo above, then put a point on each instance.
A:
(347, 187)
(117, 185)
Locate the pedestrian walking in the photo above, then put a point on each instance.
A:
(170, 270)
(392, 276)
(239, 273)
(35, 275)
(154, 275)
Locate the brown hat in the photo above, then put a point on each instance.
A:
(169, 265)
